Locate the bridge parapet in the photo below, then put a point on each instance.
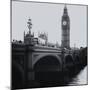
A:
(44, 49)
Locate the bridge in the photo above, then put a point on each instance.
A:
(28, 59)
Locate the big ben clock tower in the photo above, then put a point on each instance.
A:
(65, 24)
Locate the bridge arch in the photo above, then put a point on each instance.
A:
(47, 68)
(77, 60)
(17, 75)
(47, 59)
(68, 61)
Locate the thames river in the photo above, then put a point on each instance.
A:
(80, 78)
(68, 79)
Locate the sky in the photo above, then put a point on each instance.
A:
(46, 17)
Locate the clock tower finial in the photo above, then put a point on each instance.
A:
(65, 24)
(65, 10)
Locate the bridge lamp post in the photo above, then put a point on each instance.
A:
(29, 24)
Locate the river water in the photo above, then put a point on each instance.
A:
(67, 79)
(81, 78)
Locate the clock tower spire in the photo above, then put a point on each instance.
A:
(65, 24)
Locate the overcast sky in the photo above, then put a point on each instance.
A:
(46, 17)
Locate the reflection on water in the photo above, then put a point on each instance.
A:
(75, 76)
(81, 78)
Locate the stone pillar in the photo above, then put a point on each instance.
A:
(30, 67)
(31, 75)
(30, 71)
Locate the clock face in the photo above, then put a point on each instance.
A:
(64, 23)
